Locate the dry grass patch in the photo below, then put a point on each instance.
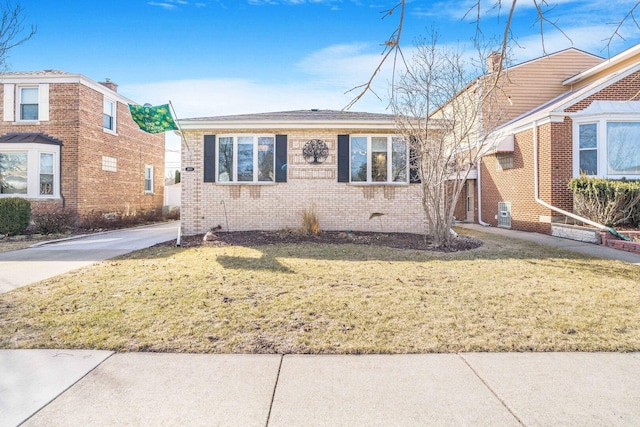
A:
(316, 298)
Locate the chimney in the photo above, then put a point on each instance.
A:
(109, 84)
(493, 61)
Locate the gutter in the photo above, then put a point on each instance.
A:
(554, 208)
(479, 167)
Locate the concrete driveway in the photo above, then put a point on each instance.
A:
(21, 268)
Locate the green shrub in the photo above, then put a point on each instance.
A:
(15, 214)
(49, 220)
(606, 201)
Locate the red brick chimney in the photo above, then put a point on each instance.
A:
(493, 62)
(109, 84)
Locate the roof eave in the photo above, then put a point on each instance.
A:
(286, 124)
(622, 56)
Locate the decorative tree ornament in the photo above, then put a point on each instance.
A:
(315, 151)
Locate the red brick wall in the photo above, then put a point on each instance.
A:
(515, 185)
(75, 118)
(555, 155)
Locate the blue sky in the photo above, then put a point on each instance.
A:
(215, 57)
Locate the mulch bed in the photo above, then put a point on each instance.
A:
(391, 240)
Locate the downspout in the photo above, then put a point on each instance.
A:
(556, 209)
(479, 167)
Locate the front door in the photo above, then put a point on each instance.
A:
(471, 189)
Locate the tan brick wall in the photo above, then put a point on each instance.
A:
(76, 119)
(340, 206)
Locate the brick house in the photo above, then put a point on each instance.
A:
(260, 171)
(66, 140)
(591, 125)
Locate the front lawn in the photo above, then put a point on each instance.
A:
(507, 295)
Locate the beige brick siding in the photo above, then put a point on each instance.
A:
(339, 206)
(76, 119)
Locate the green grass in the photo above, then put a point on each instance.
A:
(508, 295)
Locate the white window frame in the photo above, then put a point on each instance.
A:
(601, 121)
(234, 178)
(148, 169)
(33, 168)
(19, 103)
(114, 111)
(389, 180)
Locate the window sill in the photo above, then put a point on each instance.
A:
(379, 184)
(26, 122)
(246, 183)
(110, 132)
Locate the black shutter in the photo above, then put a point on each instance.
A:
(414, 176)
(281, 158)
(343, 158)
(209, 158)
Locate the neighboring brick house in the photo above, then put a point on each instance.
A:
(593, 127)
(260, 171)
(66, 140)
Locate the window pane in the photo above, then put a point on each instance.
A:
(46, 184)
(379, 159)
(148, 178)
(107, 122)
(29, 95)
(245, 158)
(359, 159)
(13, 173)
(623, 148)
(46, 163)
(29, 112)
(589, 136)
(399, 160)
(589, 162)
(108, 108)
(265, 159)
(225, 159)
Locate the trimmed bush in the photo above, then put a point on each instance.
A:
(50, 220)
(15, 214)
(608, 202)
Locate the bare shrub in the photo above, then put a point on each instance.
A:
(51, 220)
(310, 222)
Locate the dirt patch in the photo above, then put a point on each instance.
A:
(392, 240)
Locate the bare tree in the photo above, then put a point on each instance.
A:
(445, 106)
(13, 31)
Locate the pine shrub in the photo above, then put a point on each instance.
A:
(15, 214)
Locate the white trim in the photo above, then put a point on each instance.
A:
(40, 78)
(33, 151)
(43, 102)
(369, 155)
(150, 168)
(601, 121)
(234, 164)
(9, 108)
(114, 116)
(623, 56)
(283, 124)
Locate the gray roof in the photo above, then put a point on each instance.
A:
(38, 138)
(37, 73)
(298, 115)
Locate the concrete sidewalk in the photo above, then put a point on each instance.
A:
(570, 245)
(67, 387)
